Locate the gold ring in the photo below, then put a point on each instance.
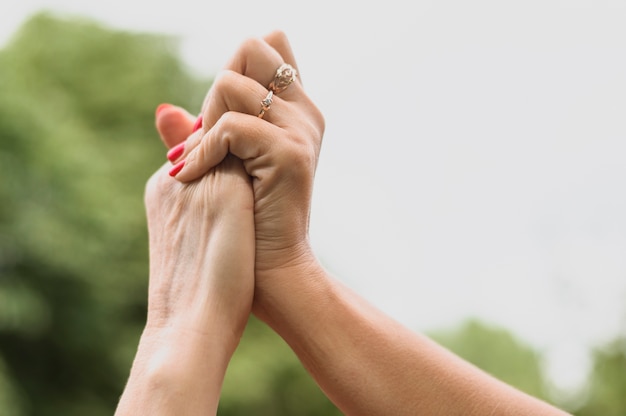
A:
(285, 75)
(266, 103)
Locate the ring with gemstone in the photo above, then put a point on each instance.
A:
(266, 103)
(285, 75)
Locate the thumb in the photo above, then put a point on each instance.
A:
(174, 124)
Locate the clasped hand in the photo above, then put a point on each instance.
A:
(229, 148)
(229, 209)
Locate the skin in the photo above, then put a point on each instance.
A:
(367, 363)
(200, 290)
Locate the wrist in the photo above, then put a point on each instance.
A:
(274, 255)
(279, 290)
(177, 356)
(176, 369)
(209, 323)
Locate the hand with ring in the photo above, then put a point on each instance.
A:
(279, 151)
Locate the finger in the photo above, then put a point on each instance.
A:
(230, 92)
(279, 41)
(239, 134)
(244, 84)
(257, 60)
(235, 92)
(174, 124)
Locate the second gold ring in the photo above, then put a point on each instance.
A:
(266, 103)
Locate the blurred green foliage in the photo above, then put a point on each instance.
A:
(607, 387)
(498, 352)
(77, 144)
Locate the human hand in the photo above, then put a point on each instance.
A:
(201, 249)
(201, 283)
(279, 151)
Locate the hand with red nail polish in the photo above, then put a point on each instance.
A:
(201, 243)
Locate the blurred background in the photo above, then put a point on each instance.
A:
(471, 185)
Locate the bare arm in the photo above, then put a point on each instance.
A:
(369, 364)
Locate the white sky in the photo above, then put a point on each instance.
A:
(473, 163)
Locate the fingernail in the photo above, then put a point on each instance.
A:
(176, 151)
(177, 167)
(198, 124)
(162, 107)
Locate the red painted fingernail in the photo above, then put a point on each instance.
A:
(176, 151)
(198, 124)
(162, 107)
(177, 167)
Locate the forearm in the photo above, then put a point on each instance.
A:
(368, 364)
(177, 371)
(200, 293)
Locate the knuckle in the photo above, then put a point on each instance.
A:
(280, 35)
(226, 123)
(223, 79)
(250, 45)
(228, 90)
(223, 131)
(221, 85)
